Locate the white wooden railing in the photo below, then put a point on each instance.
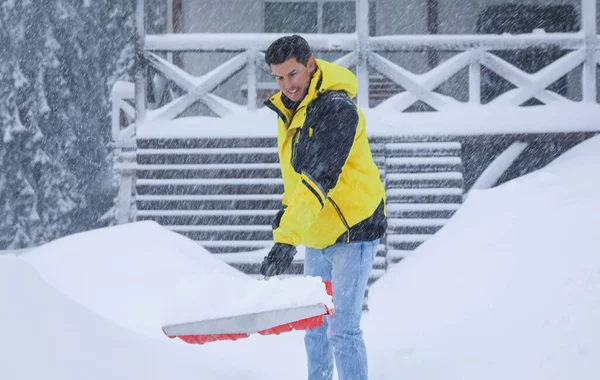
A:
(418, 86)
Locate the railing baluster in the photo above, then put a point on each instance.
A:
(362, 67)
(475, 79)
(588, 82)
(252, 79)
(126, 178)
(141, 66)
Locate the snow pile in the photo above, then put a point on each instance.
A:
(48, 336)
(143, 276)
(508, 289)
(124, 273)
(240, 296)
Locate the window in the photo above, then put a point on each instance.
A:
(314, 17)
(340, 17)
(301, 17)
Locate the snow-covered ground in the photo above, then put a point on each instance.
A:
(91, 306)
(508, 289)
(45, 335)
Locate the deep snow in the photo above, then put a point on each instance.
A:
(509, 288)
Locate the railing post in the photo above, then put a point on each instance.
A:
(140, 63)
(319, 16)
(127, 174)
(252, 79)
(475, 79)
(169, 25)
(362, 67)
(588, 21)
(115, 101)
(123, 159)
(126, 180)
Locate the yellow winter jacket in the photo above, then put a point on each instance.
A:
(332, 187)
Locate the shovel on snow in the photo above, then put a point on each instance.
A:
(236, 327)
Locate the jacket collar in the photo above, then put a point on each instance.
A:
(328, 76)
(275, 102)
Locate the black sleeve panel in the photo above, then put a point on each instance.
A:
(334, 130)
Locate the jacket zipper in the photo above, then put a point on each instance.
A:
(296, 137)
(339, 212)
(295, 143)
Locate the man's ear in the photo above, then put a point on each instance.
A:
(311, 64)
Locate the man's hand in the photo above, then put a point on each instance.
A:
(277, 219)
(278, 260)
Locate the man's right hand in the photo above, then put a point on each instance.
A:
(277, 219)
(278, 260)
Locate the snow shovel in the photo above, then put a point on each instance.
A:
(241, 326)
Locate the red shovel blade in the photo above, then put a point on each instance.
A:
(303, 324)
(196, 332)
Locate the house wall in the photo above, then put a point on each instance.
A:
(392, 17)
(460, 16)
(222, 16)
(401, 17)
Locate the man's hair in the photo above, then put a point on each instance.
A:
(288, 47)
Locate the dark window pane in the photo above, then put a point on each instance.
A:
(340, 17)
(291, 17)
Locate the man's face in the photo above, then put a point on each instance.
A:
(293, 78)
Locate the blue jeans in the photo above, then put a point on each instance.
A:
(347, 266)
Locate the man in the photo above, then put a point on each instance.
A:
(333, 200)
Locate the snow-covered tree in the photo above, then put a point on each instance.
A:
(58, 62)
(16, 194)
(39, 191)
